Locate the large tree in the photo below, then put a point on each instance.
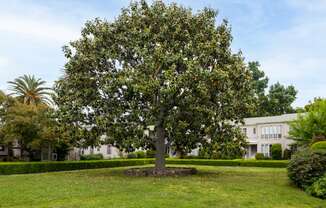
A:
(155, 65)
(30, 90)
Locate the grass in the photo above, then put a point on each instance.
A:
(227, 187)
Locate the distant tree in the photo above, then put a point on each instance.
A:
(259, 80)
(30, 90)
(152, 65)
(259, 83)
(312, 104)
(276, 101)
(311, 126)
(280, 99)
(29, 126)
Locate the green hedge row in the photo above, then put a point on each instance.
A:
(40, 167)
(245, 163)
(8, 168)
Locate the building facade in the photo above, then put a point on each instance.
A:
(263, 132)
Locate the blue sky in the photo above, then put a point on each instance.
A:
(286, 36)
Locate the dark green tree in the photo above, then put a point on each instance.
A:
(154, 66)
(276, 101)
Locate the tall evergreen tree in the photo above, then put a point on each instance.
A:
(155, 65)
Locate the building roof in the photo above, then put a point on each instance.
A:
(270, 119)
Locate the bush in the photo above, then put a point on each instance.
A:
(287, 154)
(39, 167)
(150, 153)
(132, 155)
(260, 156)
(318, 188)
(92, 157)
(245, 163)
(319, 146)
(140, 154)
(276, 151)
(306, 167)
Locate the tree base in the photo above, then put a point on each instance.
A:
(160, 172)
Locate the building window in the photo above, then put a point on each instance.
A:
(271, 132)
(254, 130)
(244, 131)
(109, 150)
(265, 149)
(2, 148)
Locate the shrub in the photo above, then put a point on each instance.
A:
(204, 153)
(319, 146)
(92, 157)
(39, 167)
(150, 153)
(276, 151)
(140, 154)
(132, 155)
(260, 156)
(287, 154)
(306, 167)
(318, 188)
(245, 163)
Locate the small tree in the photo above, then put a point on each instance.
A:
(29, 126)
(155, 65)
(311, 126)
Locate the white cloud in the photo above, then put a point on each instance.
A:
(4, 61)
(37, 28)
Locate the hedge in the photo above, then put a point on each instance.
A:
(244, 163)
(8, 168)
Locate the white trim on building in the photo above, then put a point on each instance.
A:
(263, 132)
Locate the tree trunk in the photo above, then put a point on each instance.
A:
(160, 149)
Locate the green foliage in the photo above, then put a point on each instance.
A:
(92, 157)
(277, 101)
(156, 65)
(306, 167)
(132, 155)
(246, 163)
(276, 151)
(30, 90)
(228, 144)
(319, 146)
(30, 125)
(150, 153)
(318, 188)
(260, 156)
(140, 154)
(311, 126)
(40, 167)
(287, 154)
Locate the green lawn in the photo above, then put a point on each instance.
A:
(213, 187)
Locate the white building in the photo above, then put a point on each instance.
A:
(262, 132)
(108, 151)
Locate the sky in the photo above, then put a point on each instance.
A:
(287, 37)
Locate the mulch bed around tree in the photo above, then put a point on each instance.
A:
(166, 172)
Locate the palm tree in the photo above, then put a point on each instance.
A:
(30, 90)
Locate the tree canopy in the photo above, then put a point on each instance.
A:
(310, 126)
(30, 90)
(276, 101)
(156, 65)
